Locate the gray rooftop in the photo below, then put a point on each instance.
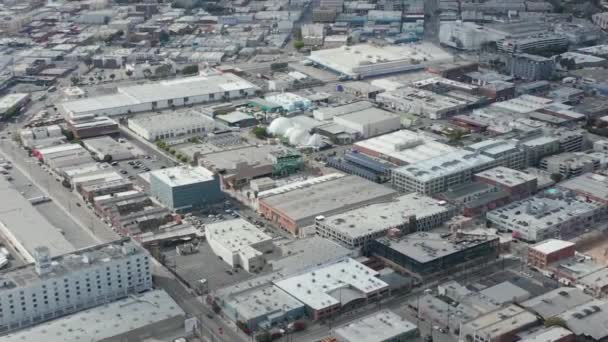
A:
(589, 319)
(267, 300)
(444, 165)
(381, 326)
(506, 176)
(505, 292)
(556, 302)
(588, 184)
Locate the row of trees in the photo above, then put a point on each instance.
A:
(164, 146)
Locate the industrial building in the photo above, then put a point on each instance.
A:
(239, 243)
(52, 287)
(369, 122)
(13, 102)
(421, 102)
(588, 321)
(183, 188)
(426, 255)
(403, 147)
(475, 198)
(172, 125)
(539, 218)
(102, 186)
(297, 206)
(362, 165)
(328, 288)
(517, 184)
(365, 60)
(328, 113)
(547, 334)
(407, 213)
(92, 127)
(556, 302)
(263, 308)
(134, 318)
(64, 155)
(531, 67)
(38, 137)
(383, 326)
(160, 95)
(589, 185)
(107, 149)
(437, 174)
(499, 325)
(549, 251)
(570, 164)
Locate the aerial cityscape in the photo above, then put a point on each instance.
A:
(304, 170)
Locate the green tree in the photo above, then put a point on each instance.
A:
(190, 69)
(263, 336)
(17, 138)
(112, 77)
(555, 321)
(298, 44)
(91, 79)
(129, 73)
(88, 61)
(162, 70)
(75, 80)
(557, 177)
(260, 132)
(147, 73)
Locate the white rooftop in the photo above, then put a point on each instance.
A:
(445, 164)
(236, 234)
(505, 175)
(333, 284)
(552, 245)
(10, 100)
(262, 301)
(381, 326)
(406, 146)
(183, 175)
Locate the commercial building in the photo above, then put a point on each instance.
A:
(184, 188)
(580, 60)
(294, 207)
(171, 125)
(467, 35)
(237, 119)
(589, 185)
(539, 218)
(64, 155)
(365, 60)
(601, 20)
(107, 149)
(570, 164)
(362, 165)
(550, 334)
(421, 102)
(102, 186)
(517, 184)
(497, 326)
(531, 67)
(369, 122)
(556, 302)
(328, 288)
(160, 95)
(534, 44)
(505, 153)
(134, 318)
(403, 147)
(426, 255)
(38, 137)
(11, 103)
(475, 198)
(92, 127)
(437, 174)
(239, 243)
(55, 286)
(549, 251)
(588, 321)
(407, 213)
(383, 326)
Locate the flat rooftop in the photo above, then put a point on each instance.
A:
(502, 321)
(256, 156)
(551, 245)
(333, 284)
(382, 216)
(551, 334)
(183, 175)
(348, 60)
(381, 326)
(263, 301)
(588, 184)
(557, 301)
(10, 100)
(303, 253)
(235, 234)
(506, 176)
(589, 319)
(444, 165)
(427, 246)
(24, 225)
(367, 116)
(173, 120)
(328, 197)
(406, 146)
(104, 322)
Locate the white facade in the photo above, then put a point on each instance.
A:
(54, 287)
(370, 122)
(466, 35)
(421, 102)
(601, 20)
(239, 243)
(171, 125)
(41, 136)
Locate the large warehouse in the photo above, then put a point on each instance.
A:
(297, 207)
(171, 125)
(366, 60)
(160, 95)
(370, 122)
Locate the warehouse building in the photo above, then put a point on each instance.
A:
(426, 255)
(367, 60)
(556, 302)
(171, 125)
(125, 268)
(549, 251)
(60, 156)
(107, 149)
(239, 243)
(328, 288)
(362, 165)
(588, 321)
(184, 188)
(540, 218)
(92, 127)
(437, 174)
(550, 334)
(369, 122)
(328, 113)
(500, 325)
(408, 213)
(160, 95)
(38, 137)
(13, 102)
(295, 207)
(421, 102)
(403, 147)
(382, 326)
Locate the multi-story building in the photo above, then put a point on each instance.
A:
(589, 185)
(421, 102)
(533, 44)
(570, 164)
(549, 251)
(382, 326)
(184, 188)
(54, 287)
(498, 326)
(408, 213)
(531, 67)
(505, 153)
(92, 127)
(518, 184)
(438, 174)
(601, 20)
